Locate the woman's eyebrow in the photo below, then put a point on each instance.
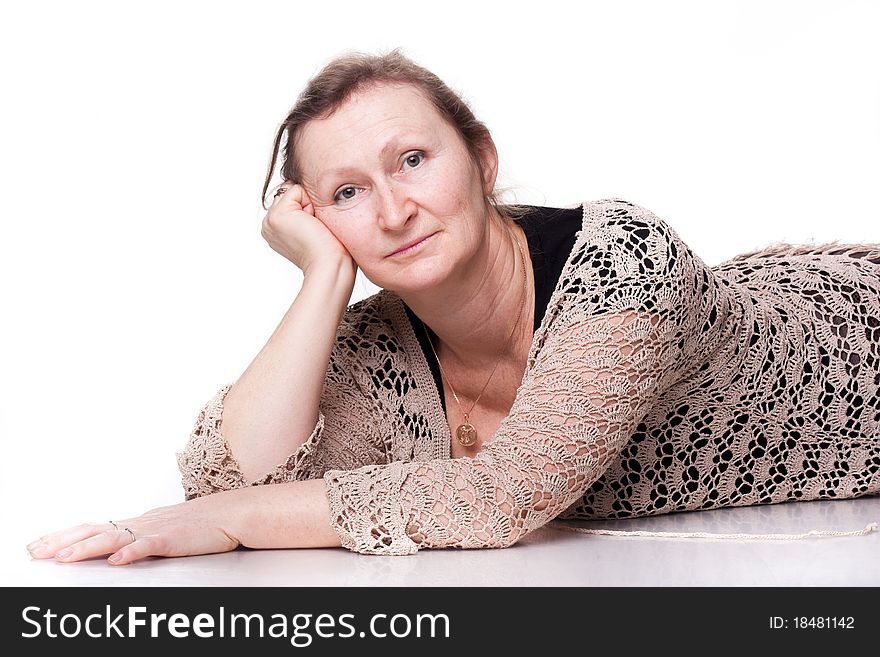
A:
(391, 145)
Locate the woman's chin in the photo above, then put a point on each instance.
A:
(413, 279)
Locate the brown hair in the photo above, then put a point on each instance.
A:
(355, 71)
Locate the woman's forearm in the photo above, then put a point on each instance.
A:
(273, 406)
(295, 514)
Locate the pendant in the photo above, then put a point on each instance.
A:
(466, 434)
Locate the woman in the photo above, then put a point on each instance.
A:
(597, 367)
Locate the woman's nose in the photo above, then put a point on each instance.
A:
(396, 207)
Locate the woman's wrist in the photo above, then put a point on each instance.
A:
(342, 271)
(294, 514)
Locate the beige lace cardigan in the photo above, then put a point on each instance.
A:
(654, 384)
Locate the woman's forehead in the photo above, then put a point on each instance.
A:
(377, 119)
(376, 108)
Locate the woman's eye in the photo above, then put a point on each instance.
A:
(415, 159)
(340, 195)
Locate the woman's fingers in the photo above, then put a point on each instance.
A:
(88, 541)
(47, 546)
(93, 540)
(293, 195)
(142, 547)
(287, 193)
(194, 527)
(108, 542)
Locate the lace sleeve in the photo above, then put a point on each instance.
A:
(349, 433)
(619, 335)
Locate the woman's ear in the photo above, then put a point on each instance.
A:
(488, 164)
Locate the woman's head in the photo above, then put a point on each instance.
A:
(350, 73)
(388, 153)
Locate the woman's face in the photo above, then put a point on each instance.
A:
(385, 170)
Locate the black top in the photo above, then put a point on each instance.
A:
(550, 233)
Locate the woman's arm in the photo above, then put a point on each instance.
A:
(273, 407)
(353, 428)
(290, 515)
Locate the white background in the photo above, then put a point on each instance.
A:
(134, 140)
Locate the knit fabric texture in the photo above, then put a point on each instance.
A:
(654, 384)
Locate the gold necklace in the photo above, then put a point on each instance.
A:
(466, 433)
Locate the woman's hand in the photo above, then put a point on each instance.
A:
(291, 229)
(189, 528)
(293, 514)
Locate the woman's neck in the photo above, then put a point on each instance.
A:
(474, 312)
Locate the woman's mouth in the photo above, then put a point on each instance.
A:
(414, 248)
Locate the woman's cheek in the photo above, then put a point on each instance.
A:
(445, 196)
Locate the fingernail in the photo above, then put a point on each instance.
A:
(37, 547)
(116, 558)
(63, 554)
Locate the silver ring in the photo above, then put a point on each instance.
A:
(115, 526)
(281, 190)
(133, 537)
